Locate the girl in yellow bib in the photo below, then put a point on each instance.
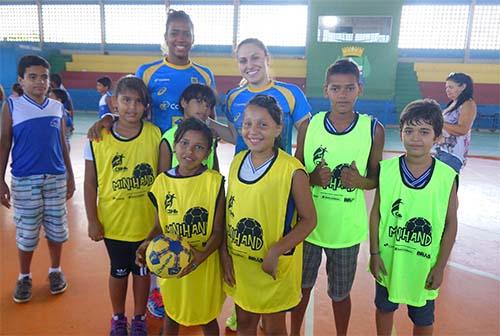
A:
(119, 172)
(189, 200)
(269, 213)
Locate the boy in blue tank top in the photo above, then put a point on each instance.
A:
(103, 87)
(342, 150)
(413, 222)
(42, 177)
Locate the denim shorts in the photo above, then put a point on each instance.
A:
(449, 159)
(420, 316)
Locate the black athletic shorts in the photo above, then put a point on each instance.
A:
(122, 257)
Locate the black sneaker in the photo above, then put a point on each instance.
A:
(57, 282)
(22, 293)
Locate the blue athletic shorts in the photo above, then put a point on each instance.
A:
(420, 316)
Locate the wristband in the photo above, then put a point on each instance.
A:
(375, 253)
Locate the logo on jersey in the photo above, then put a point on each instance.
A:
(236, 117)
(395, 208)
(169, 202)
(248, 232)
(194, 80)
(167, 105)
(336, 182)
(161, 91)
(319, 154)
(142, 176)
(194, 223)
(55, 123)
(230, 205)
(117, 163)
(417, 230)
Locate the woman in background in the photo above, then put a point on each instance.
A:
(458, 116)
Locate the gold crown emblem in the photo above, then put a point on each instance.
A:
(352, 51)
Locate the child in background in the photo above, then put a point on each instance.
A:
(269, 213)
(103, 86)
(42, 177)
(413, 222)
(197, 101)
(17, 91)
(61, 96)
(196, 296)
(56, 83)
(119, 172)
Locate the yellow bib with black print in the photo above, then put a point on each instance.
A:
(125, 171)
(186, 207)
(258, 214)
(341, 211)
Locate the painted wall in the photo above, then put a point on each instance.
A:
(381, 56)
(412, 80)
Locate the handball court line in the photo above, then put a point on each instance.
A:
(309, 320)
(474, 271)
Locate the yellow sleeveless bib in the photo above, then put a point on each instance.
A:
(125, 171)
(258, 214)
(186, 207)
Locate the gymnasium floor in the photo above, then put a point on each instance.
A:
(469, 303)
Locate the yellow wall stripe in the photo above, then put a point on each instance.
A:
(221, 66)
(437, 72)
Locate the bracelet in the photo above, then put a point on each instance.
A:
(375, 253)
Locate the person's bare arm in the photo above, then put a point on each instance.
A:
(5, 146)
(216, 160)
(94, 132)
(465, 120)
(301, 136)
(227, 132)
(435, 277)
(376, 263)
(70, 178)
(95, 228)
(165, 158)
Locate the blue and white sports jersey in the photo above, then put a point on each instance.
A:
(291, 99)
(103, 105)
(166, 82)
(36, 133)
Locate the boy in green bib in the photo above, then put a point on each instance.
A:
(197, 101)
(342, 151)
(413, 222)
